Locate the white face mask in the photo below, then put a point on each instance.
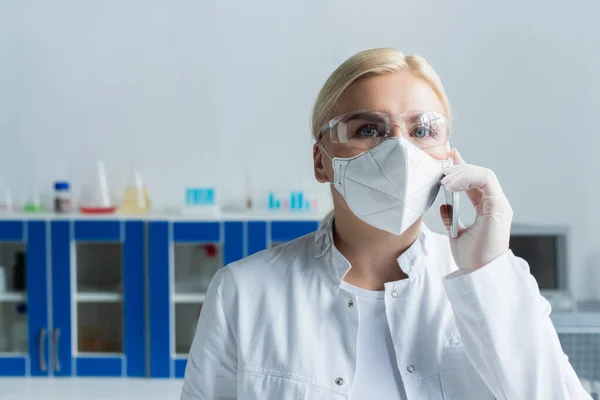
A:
(391, 185)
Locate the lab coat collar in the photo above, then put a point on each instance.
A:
(410, 262)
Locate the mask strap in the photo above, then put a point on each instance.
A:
(322, 146)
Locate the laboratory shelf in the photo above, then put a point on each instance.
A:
(99, 293)
(13, 297)
(190, 298)
(98, 296)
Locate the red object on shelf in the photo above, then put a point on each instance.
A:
(210, 250)
(98, 210)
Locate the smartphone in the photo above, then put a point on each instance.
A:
(452, 201)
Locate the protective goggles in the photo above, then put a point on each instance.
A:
(366, 129)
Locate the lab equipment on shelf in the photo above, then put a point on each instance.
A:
(6, 200)
(96, 196)
(249, 195)
(135, 199)
(34, 203)
(294, 201)
(62, 197)
(200, 201)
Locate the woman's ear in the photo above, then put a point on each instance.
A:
(319, 158)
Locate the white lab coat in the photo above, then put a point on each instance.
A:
(277, 326)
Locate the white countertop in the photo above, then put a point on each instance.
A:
(222, 216)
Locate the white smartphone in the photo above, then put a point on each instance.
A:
(452, 201)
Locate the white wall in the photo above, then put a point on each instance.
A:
(209, 92)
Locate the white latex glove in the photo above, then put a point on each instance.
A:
(488, 237)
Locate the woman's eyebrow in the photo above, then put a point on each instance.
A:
(366, 115)
(423, 117)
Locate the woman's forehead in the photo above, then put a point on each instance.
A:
(392, 93)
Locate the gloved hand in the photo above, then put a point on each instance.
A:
(488, 237)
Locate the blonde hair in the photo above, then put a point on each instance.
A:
(367, 63)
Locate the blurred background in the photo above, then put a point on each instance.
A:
(218, 94)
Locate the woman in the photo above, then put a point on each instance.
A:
(374, 305)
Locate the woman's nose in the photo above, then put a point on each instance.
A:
(395, 131)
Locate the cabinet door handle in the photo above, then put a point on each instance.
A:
(43, 366)
(56, 339)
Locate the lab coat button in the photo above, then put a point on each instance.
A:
(350, 303)
(394, 293)
(410, 369)
(339, 381)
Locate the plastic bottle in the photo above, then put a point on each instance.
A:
(19, 275)
(62, 197)
(19, 331)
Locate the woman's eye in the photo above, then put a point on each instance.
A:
(422, 132)
(368, 131)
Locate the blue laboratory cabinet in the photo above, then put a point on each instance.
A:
(174, 302)
(115, 296)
